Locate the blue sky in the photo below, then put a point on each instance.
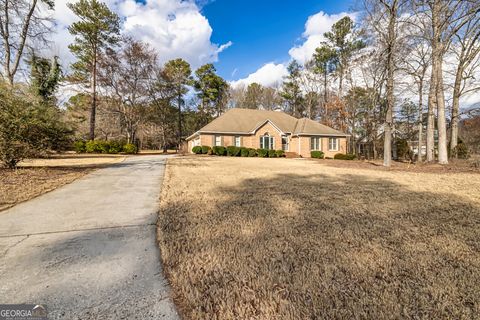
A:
(262, 31)
(265, 34)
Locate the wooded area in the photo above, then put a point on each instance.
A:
(393, 79)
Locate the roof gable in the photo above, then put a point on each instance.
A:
(248, 121)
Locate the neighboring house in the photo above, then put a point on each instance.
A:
(269, 130)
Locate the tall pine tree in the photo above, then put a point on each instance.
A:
(97, 29)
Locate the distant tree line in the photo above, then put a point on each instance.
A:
(398, 75)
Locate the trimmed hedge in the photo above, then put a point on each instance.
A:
(80, 146)
(219, 151)
(233, 151)
(102, 146)
(280, 153)
(197, 150)
(262, 153)
(317, 154)
(130, 148)
(342, 156)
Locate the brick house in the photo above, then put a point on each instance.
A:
(269, 130)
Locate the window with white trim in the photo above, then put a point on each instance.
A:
(333, 144)
(218, 141)
(267, 142)
(238, 141)
(315, 143)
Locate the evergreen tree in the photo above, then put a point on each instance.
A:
(97, 29)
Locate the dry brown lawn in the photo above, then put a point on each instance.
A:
(249, 238)
(38, 176)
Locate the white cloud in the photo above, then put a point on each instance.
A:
(268, 75)
(175, 28)
(316, 25)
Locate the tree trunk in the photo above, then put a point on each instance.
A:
(455, 111)
(179, 102)
(93, 88)
(387, 147)
(441, 116)
(420, 120)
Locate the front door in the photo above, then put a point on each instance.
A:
(284, 143)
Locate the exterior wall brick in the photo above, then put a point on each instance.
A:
(300, 145)
(304, 142)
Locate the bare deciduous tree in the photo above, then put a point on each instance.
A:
(23, 25)
(125, 76)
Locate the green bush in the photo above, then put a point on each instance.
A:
(104, 146)
(219, 150)
(252, 152)
(233, 151)
(244, 152)
(197, 150)
(280, 153)
(115, 147)
(461, 151)
(272, 154)
(262, 153)
(206, 149)
(93, 146)
(317, 154)
(79, 146)
(342, 156)
(130, 148)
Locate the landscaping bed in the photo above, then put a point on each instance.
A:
(252, 238)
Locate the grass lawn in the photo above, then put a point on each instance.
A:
(249, 238)
(37, 176)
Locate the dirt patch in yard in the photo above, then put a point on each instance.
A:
(247, 238)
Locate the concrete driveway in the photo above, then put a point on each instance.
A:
(88, 250)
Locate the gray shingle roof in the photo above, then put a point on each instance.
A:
(246, 121)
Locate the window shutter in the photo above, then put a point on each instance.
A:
(221, 140)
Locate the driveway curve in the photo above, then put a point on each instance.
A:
(88, 250)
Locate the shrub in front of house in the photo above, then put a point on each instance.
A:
(130, 148)
(219, 151)
(252, 152)
(342, 156)
(243, 152)
(280, 153)
(233, 151)
(197, 150)
(80, 146)
(206, 150)
(262, 153)
(272, 154)
(317, 154)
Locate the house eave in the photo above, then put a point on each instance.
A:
(303, 134)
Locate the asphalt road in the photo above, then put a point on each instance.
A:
(88, 250)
